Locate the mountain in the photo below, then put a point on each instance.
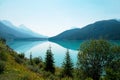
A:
(26, 30)
(23, 46)
(9, 31)
(106, 29)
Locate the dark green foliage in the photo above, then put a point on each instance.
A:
(33, 68)
(49, 76)
(2, 66)
(41, 65)
(31, 61)
(37, 60)
(93, 56)
(18, 59)
(49, 62)
(88, 79)
(3, 55)
(25, 77)
(22, 55)
(113, 70)
(67, 66)
(113, 67)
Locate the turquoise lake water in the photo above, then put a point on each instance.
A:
(39, 48)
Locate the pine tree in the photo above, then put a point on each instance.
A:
(31, 61)
(49, 61)
(67, 66)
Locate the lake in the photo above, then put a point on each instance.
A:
(39, 48)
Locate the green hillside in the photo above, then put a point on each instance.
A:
(10, 69)
(14, 66)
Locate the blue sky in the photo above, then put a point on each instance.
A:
(50, 17)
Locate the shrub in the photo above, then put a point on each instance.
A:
(41, 65)
(22, 55)
(113, 70)
(2, 66)
(37, 60)
(88, 79)
(48, 76)
(25, 77)
(33, 68)
(3, 56)
(18, 59)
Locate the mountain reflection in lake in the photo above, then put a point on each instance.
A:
(38, 48)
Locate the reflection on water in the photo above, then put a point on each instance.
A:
(38, 48)
(23, 46)
(69, 44)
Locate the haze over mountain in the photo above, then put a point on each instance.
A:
(26, 30)
(107, 29)
(9, 31)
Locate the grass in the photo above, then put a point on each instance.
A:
(14, 70)
(17, 67)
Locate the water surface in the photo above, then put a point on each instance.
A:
(39, 48)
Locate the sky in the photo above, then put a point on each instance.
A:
(51, 17)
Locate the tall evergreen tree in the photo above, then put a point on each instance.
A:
(49, 61)
(67, 66)
(31, 61)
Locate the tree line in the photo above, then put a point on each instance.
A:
(97, 59)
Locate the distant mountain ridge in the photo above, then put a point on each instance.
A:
(106, 29)
(28, 31)
(9, 31)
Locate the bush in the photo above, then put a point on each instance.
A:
(33, 68)
(48, 76)
(25, 77)
(37, 60)
(18, 59)
(88, 79)
(113, 70)
(93, 57)
(3, 56)
(2, 66)
(22, 55)
(41, 65)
